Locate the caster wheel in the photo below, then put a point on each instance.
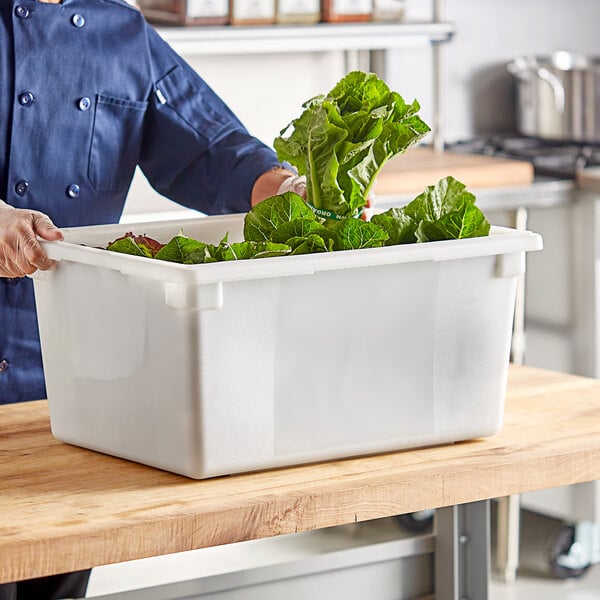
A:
(417, 522)
(561, 550)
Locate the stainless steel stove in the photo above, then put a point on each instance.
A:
(550, 158)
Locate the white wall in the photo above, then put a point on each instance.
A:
(477, 88)
(266, 91)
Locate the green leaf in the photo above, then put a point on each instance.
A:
(446, 211)
(246, 250)
(127, 245)
(447, 195)
(342, 140)
(311, 149)
(455, 225)
(310, 233)
(270, 214)
(185, 250)
(401, 228)
(311, 244)
(297, 228)
(355, 234)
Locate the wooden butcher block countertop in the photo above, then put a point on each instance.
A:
(422, 166)
(64, 508)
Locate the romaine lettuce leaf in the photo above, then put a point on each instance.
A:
(185, 250)
(311, 244)
(246, 250)
(355, 234)
(138, 245)
(342, 140)
(444, 211)
(466, 223)
(127, 245)
(285, 224)
(270, 214)
(401, 228)
(302, 227)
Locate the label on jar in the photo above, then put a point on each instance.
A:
(299, 7)
(390, 9)
(253, 9)
(200, 9)
(353, 7)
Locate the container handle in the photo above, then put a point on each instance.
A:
(557, 88)
(510, 265)
(208, 296)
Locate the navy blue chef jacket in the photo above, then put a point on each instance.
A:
(88, 90)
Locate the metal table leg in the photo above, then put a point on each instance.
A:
(462, 552)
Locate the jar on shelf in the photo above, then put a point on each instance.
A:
(251, 12)
(186, 12)
(388, 10)
(298, 11)
(339, 11)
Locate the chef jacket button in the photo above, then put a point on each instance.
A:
(78, 20)
(22, 11)
(73, 190)
(22, 187)
(26, 99)
(84, 103)
(3, 365)
(11, 280)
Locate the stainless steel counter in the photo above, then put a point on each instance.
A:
(543, 193)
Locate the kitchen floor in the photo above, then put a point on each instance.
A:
(587, 587)
(539, 534)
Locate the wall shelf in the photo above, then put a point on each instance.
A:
(321, 37)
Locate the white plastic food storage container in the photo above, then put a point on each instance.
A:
(220, 368)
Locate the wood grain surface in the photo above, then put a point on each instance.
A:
(64, 508)
(421, 166)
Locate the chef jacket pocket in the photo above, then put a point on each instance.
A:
(116, 142)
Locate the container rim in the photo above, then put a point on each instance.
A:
(74, 249)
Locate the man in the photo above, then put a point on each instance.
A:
(88, 92)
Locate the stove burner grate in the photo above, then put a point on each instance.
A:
(554, 159)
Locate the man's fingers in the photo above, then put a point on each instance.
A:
(45, 228)
(294, 183)
(30, 254)
(20, 251)
(8, 267)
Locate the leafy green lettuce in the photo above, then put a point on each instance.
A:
(287, 219)
(342, 140)
(285, 224)
(444, 211)
(185, 250)
(138, 245)
(188, 251)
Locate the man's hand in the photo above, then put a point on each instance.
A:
(297, 184)
(268, 184)
(20, 252)
(294, 183)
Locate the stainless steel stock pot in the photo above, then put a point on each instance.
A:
(558, 96)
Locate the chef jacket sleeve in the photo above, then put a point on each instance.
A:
(195, 151)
